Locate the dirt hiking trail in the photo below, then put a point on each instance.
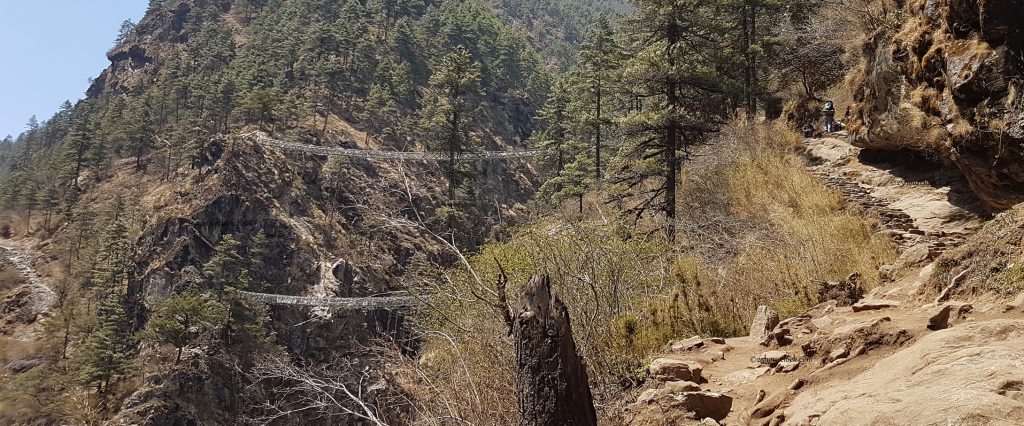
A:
(898, 356)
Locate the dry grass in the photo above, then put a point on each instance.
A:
(809, 234)
(757, 229)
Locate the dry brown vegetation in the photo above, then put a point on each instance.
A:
(759, 229)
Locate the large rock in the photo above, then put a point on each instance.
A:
(914, 256)
(679, 409)
(952, 377)
(874, 305)
(695, 342)
(1015, 304)
(671, 369)
(706, 404)
(764, 322)
(940, 319)
(745, 376)
(668, 388)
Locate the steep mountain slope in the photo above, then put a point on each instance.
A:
(144, 183)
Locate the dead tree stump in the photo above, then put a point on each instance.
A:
(551, 379)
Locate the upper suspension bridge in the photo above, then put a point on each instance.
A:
(267, 141)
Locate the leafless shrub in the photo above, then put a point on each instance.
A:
(347, 390)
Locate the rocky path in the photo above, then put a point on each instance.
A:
(24, 305)
(19, 257)
(914, 206)
(897, 357)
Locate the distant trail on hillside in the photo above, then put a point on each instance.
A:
(269, 142)
(19, 258)
(15, 255)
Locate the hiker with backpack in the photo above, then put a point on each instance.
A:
(829, 112)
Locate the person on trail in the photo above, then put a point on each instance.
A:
(829, 112)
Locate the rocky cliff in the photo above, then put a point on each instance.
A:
(945, 78)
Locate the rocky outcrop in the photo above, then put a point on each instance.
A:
(137, 60)
(977, 363)
(947, 80)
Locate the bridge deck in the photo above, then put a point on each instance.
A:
(347, 303)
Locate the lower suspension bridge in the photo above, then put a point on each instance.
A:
(398, 302)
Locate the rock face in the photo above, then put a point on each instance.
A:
(965, 375)
(764, 322)
(948, 83)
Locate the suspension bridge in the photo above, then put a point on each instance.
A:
(339, 303)
(267, 141)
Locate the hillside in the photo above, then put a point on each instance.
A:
(328, 211)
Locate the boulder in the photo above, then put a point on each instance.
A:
(952, 71)
(822, 309)
(706, 404)
(788, 366)
(952, 377)
(1015, 304)
(777, 338)
(687, 345)
(844, 293)
(874, 305)
(684, 408)
(838, 353)
(940, 319)
(914, 256)
(671, 369)
(669, 388)
(680, 386)
(764, 322)
(886, 272)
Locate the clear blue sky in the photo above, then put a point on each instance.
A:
(50, 48)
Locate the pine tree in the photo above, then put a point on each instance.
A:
(450, 111)
(555, 125)
(572, 182)
(182, 319)
(127, 26)
(226, 273)
(600, 57)
(674, 69)
(226, 269)
(80, 143)
(105, 352)
(114, 261)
